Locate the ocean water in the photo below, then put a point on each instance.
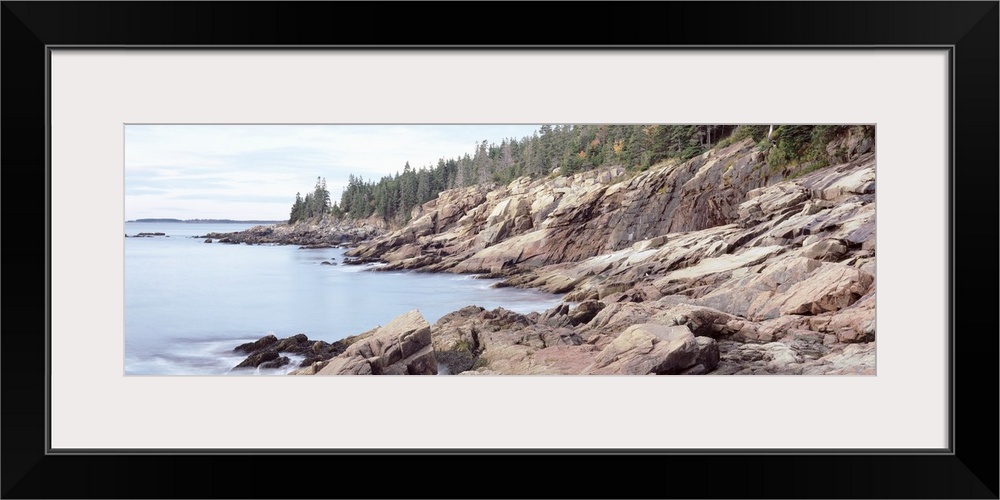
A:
(188, 303)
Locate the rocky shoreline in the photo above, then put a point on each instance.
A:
(327, 233)
(717, 265)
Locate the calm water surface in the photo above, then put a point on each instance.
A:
(188, 303)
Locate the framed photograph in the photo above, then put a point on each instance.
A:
(130, 113)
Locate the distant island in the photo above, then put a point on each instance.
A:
(209, 221)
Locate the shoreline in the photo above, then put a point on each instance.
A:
(711, 266)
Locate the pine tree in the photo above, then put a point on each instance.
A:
(297, 209)
(423, 186)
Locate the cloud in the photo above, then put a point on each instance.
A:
(143, 190)
(247, 169)
(223, 197)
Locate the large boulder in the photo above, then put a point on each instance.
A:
(455, 338)
(255, 360)
(402, 347)
(647, 349)
(708, 357)
(252, 347)
(702, 321)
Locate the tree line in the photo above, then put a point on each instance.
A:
(316, 204)
(552, 150)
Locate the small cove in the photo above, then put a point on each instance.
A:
(188, 303)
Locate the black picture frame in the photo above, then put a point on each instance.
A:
(967, 470)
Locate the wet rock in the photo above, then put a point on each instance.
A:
(269, 349)
(257, 345)
(276, 363)
(255, 360)
(297, 343)
(348, 261)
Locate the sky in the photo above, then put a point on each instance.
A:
(252, 172)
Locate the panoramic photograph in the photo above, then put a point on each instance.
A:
(505, 249)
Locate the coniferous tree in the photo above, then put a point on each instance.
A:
(564, 149)
(423, 186)
(297, 209)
